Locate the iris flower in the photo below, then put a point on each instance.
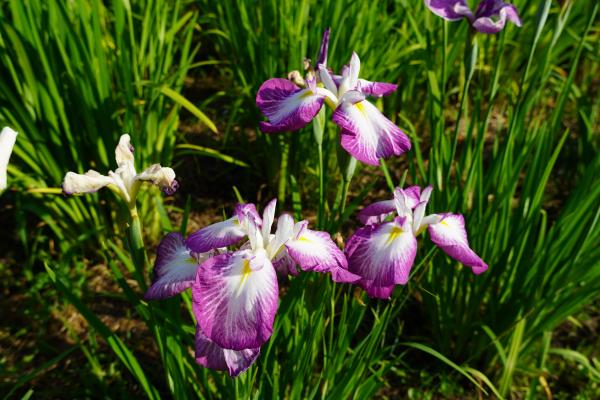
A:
(235, 293)
(490, 16)
(125, 180)
(7, 142)
(366, 133)
(382, 253)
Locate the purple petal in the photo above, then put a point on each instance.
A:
(210, 355)
(367, 134)
(315, 251)
(491, 16)
(382, 255)
(377, 212)
(322, 60)
(174, 270)
(221, 234)
(375, 89)
(235, 305)
(450, 235)
(284, 264)
(288, 107)
(451, 10)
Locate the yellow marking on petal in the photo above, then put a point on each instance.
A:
(246, 271)
(444, 223)
(307, 94)
(394, 233)
(304, 239)
(191, 260)
(360, 107)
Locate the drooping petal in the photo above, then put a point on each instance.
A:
(375, 89)
(377, 212)
(451, 10)
(288, 107)
(174, 270)
(315, 251)
(491, 16)
(367, 134)
(210, 355)
(89, 182)
(221, 234)
(164, 178)
(450, 235)
(235, 305)
(8, 138)
(124, 151)
(382, 255)
(322, 59)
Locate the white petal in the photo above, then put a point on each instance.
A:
(7, 142)
(89, 182)
(124, 151)
(164, 178)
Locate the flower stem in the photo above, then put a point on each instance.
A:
(137, 250)
(318, 130)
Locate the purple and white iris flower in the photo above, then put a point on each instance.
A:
(7, 142)
(125, 180)
(382, 253)
(236, 293)
(366, 133)
(490, 16)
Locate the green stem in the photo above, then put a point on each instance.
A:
(318, 130)
(138, 252)
(386, 173)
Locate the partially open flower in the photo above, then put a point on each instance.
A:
(7, 142)
(124, 180)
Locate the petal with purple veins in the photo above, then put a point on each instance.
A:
(234, 304)
(367, 134)
(174, 270)
(382, 255)
(315, 251)
(221, 234)
(210, 355)
(287, 107)
(450, 235)
(375, 89)
(377, 212)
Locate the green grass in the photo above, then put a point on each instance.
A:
(505, 127)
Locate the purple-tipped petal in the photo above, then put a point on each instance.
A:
(322, 60)
(288, 107)
(221, 234)
(377, 212)
(375, 89)
(491, 16)
(382, 255)
(450, 235)
(234, 304)
(315, 251)
(451, 10)
(210, 355)
(245, 211)
(174, 270)
(413, 196)
(367, 134)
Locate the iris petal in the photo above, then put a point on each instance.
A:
(451, 10)
(7, 142)
(315, 251)
(382, 255)
(174, 270)
(234, 305)
(450, 235)
(210, 355)
(288, 107)
(221, 234)
(89, 182)
(367, 134)
(491, 16)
